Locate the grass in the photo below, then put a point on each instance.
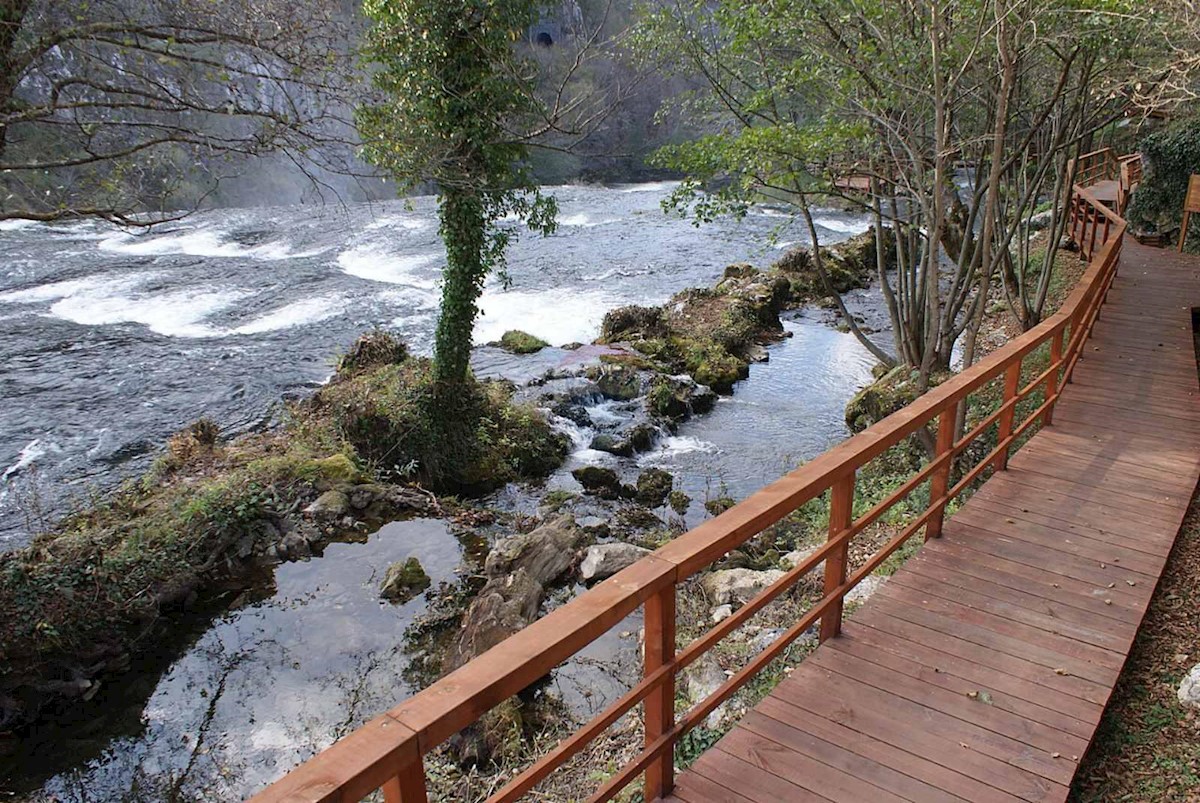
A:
(1148, 744)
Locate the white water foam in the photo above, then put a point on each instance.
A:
(94, 285)
(406, 223)
(32, 451)
(558, 316)
(649, 186)
(584, 221)
(376, 264)
(674, 446)
(298, 313)
(174, 314)
(198, 243)
(842, 226)
(16, 224)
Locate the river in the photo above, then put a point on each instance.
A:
(110, 340)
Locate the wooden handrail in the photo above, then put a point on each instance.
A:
(388, 752)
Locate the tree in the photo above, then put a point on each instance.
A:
(110, 108)
(461, 105)
(941, 120)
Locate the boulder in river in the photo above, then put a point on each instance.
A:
(601, 482)
(653, 487)
(515, 341)
(545, 553)
(404, 580)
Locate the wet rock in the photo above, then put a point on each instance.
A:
(618, 382)
(1189, 688)
(604, 560)
(626, 441)
(677, 398)
(653, 487)
(573, 412)
(329, 505)
(502, 607)
(894, 390)
(544, 553)
(737, 585)
(404, 580)
(679, 502)
(294, 546)
(601, 482)
(740, 270)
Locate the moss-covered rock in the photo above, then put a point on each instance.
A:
(518, 342)
(620, 382)
(404, 580)
(601, 482)
(679, 502)
(891, 392)
(653, 487)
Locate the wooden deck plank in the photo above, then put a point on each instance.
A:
(980, 670)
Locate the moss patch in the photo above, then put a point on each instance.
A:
(519, 342)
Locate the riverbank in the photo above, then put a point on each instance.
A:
(88, 598)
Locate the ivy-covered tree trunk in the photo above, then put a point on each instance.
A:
(464, 227)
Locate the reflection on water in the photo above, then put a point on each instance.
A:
(266, 686)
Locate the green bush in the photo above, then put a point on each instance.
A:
(398, 424)
(1172, 155)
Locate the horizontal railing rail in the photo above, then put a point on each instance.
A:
(388, 751)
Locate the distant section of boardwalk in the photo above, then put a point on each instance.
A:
(980, 670)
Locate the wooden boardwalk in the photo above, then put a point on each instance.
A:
(980, 670)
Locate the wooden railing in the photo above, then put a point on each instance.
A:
(388, 751)
(1106, 165)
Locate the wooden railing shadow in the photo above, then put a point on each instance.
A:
(388, 751)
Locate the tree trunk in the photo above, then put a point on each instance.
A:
(464, 230)
(12, 14)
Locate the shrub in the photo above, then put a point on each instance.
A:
(1172, 155)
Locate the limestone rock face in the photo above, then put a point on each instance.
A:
(737, 585)
(605, 560)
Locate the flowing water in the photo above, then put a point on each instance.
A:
(111, 340)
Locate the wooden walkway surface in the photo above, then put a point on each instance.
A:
(980, 670)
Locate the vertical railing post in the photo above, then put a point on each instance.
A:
(1056, 350)
(841, 516)
(939, 482)
(1012, 384)
(660, 703)
(408, 786)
